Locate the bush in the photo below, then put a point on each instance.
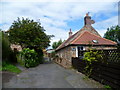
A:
(6, 50)
(7, 53)
(29, 58)
(90, 57)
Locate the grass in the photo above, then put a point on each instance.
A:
(0, 67)
(6, 66)
(71, 67)
(85, 78)
(107, 87)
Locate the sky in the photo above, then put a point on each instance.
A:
(58, 16)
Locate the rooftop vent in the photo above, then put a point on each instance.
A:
(94, 41)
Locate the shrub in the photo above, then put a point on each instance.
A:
(107, 87)
(89, 57)
(6, 50)
(28, 58)
(92, 56)
(7, 53)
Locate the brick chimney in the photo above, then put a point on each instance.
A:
(87, 20)
(70, 33)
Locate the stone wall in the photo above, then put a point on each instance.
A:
(65, 55)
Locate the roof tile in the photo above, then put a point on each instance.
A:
(85, 37)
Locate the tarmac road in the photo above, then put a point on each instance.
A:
(49, 75)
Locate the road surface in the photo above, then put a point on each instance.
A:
(49, 75)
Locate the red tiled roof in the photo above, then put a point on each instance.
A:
(85, 37)
(66, 42)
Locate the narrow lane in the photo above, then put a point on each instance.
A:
(50, 75)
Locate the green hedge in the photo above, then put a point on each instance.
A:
(6, 50)
(7, 53)
(29, 58)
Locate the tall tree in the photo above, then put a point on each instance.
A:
(113, 33)
(54, 45)
(57, 44)
(28, 33)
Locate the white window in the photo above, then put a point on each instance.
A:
(95, 41)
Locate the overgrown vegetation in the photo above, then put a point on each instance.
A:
(107, 87)
(29, 34)
(8, 56)
(7, 53)
(90, 57)
(6, 50)
(32, 38)
(29, 58)
(7, 66)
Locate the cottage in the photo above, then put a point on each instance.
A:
(82, 40)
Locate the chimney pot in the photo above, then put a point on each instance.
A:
(70, 32)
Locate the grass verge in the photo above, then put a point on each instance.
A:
(6, 66)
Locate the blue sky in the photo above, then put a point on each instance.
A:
(58, 16)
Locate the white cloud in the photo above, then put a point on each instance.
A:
(56, 23)
(57, 32)
(102, 26)
(60, 0)
(102, 32)
(54, 14)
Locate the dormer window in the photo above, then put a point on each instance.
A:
(94, 41)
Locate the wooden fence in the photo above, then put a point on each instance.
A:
(111, 55)
(105, 73)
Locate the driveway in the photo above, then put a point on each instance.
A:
(50, 75)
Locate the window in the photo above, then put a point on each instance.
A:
(73, 49)
(81, 51)
(81, 48)
(94, 41)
